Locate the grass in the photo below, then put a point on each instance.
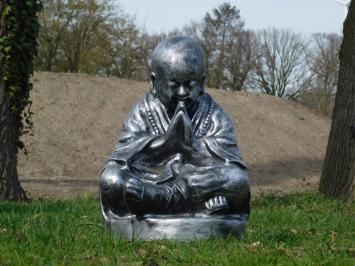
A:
(298, 229)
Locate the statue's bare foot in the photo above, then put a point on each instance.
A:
(218, 204)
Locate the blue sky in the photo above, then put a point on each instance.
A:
(308, 16)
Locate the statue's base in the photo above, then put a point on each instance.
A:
(179, 227)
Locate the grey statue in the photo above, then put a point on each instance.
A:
(177, 157)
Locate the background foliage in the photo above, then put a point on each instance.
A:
(98, 37)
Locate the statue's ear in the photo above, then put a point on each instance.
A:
(152, 84)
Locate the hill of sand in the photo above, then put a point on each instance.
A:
(78, 117)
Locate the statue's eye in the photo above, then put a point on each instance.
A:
(192, 83)
(172, 84)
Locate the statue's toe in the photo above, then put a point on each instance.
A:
(218, 204)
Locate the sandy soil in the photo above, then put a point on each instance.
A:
(78, 117)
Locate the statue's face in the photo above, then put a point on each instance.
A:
(173, 86)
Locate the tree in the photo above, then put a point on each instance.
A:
(73, 36)
(280, 65)
(325, 68)
(324, 65)
(84, 44)
(18, 32)
(92, 36)
(337, 179)
(227, 47)
(54, 19)
(239, 61)
(123, 56)
(147, 43)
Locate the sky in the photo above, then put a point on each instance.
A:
(307, 16)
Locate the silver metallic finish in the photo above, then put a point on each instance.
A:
(177, 170)
(186, 228)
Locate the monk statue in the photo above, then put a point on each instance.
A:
(177, 154)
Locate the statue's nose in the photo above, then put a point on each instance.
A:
(182, 92)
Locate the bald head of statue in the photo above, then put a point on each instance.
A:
(178, 72)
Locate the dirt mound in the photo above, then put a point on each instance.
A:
(78, 117)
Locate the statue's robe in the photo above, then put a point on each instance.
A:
(215, 167)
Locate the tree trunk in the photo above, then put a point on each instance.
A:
(338, 173)
(10, 187)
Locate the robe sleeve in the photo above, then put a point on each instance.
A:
(221, 140)
(134, 137)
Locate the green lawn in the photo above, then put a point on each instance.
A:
(299, 229)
